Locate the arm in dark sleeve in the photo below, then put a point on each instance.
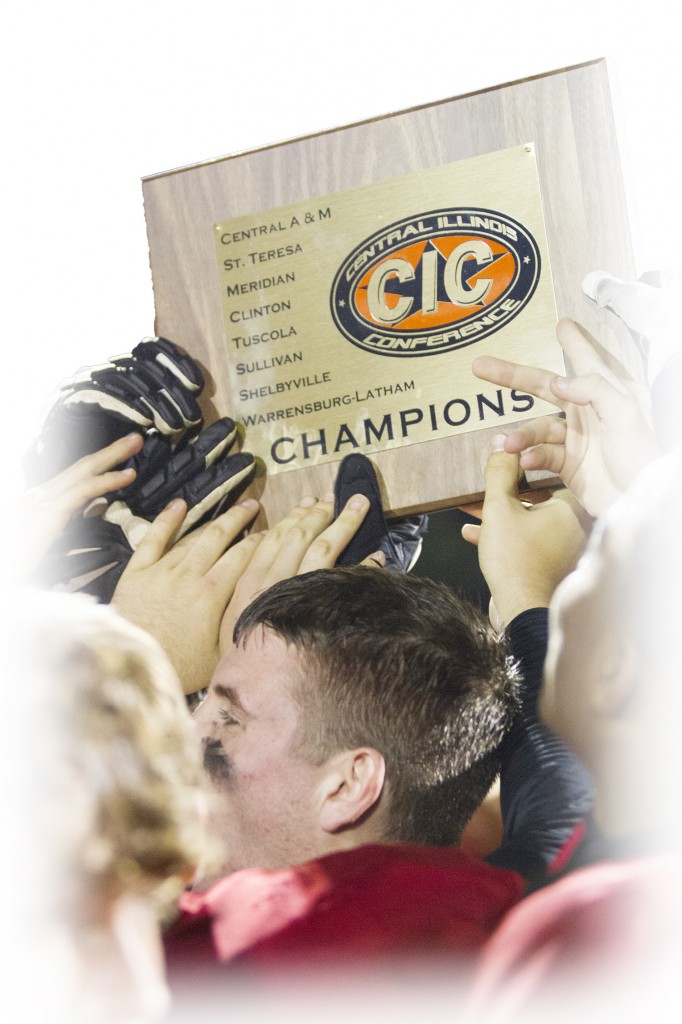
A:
(545, 790)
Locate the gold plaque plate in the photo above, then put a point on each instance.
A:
(351, 320)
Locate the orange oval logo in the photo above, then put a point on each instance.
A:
(434, 282)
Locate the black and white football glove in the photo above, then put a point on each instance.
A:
(156, 386)
(93, 550)
(154, 390)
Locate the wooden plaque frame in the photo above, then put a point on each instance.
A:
(567, 114)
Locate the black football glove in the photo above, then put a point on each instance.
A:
(154, 387)
(399, 539)
(202, 473)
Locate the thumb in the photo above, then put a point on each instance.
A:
(157, 539)
(501, 475)
(471, 533)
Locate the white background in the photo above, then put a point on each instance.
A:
(95, 96)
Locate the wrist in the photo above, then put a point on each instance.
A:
(513, 604)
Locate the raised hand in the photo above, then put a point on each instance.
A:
(189, 593)
(308, 538)
(179, 592)
(605, 437)
(46, 509)
(524, 553)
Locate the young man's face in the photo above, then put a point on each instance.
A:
(267, 797)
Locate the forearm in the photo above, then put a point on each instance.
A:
(545, 790)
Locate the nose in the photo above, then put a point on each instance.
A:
(203, 721)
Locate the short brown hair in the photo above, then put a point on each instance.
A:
(403, 665)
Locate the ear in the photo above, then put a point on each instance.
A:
(351, 788)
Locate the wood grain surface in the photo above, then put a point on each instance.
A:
(567, 115)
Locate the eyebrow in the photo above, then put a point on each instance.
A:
(228, 694)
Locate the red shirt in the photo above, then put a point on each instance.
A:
(368, 902)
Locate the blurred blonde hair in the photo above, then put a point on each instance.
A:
(117, 778)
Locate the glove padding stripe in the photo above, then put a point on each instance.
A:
(220, 480)
(169, 356)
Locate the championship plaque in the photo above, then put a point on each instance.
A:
(337, 288)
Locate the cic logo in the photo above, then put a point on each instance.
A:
(435, 282)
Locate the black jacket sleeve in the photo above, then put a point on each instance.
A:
(545, 790)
